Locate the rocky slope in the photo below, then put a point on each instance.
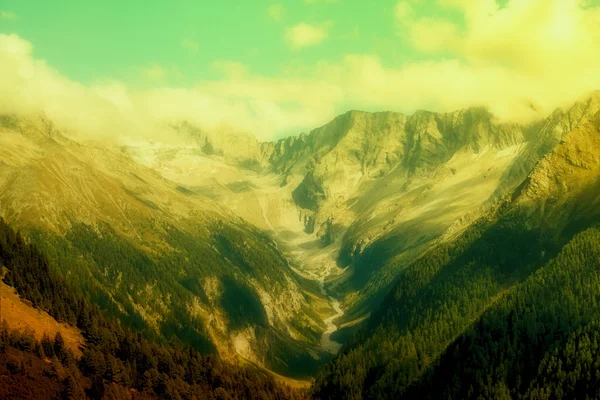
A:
(159, 256)
(384, 187)
(562, 191)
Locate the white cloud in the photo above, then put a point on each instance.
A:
(304, 35)
(527, 35)
(276, 12)
(246, 103)
(190, 45)
(28, 86)
(548, 62)
(7, 15)
(537, 52)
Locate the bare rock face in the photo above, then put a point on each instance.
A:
(287, 153)
(235, 147)
(343, 159)
(359, 148)
(572, 135)
(563, 187)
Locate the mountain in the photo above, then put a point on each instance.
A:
(506, 308)
(411, 240)
(155, 255)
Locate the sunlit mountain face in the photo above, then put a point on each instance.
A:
(318, 199)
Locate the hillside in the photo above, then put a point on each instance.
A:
(356, 201)
(159, 258)
(502, 305)
(19, 314)
(310, 199)
(117, 362)
(382, 231)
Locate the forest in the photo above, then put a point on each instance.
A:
(502, 312)
(122, 276)
(116, 358)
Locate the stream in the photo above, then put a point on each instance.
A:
(326, 343)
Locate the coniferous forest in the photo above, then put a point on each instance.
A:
(115, 358)
(498, 314)
(466, 321)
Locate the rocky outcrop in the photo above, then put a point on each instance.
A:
(235, 147)
(287, 153)
(562, 190)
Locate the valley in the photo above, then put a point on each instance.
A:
(283, 256)
(300, 200)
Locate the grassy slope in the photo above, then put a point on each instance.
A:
(21, 315)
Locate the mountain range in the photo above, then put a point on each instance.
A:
(374, 254)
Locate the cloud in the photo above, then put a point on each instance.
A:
(190, 45)
(29, 86)
(526, 35)
(244, 102)
(526, 52)
(404, 11)
(276, 12)
(304, 35)
(549, 61)
(158, 73)
(426, 33)
(7, 15)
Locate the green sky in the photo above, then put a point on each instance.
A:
(91, 40)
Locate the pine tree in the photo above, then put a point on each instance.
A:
(59, 347)
(72, 389)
